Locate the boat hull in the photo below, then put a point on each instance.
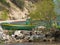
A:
(17, 27)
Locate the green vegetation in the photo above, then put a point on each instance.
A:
(44, 11)
(34, 1)
(19, 3)
(4, 15)
(4, 11)
(5, 3)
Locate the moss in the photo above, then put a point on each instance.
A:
(4, 15)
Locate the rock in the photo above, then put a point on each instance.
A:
(52, 39)
(5, 31)
(19, 34)
(1, 33)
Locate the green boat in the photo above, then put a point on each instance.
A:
(17, 27)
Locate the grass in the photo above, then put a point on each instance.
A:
(4, 15)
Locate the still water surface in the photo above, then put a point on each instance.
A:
(41, 43)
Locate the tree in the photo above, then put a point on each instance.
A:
(44, 11)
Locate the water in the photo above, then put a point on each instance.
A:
(57, 6)
(39, 43)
